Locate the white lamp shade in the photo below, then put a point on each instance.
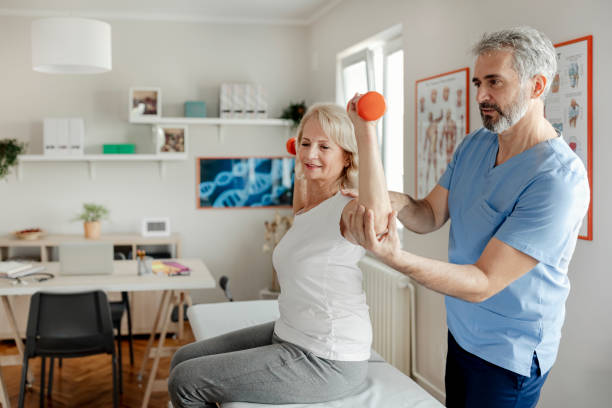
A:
(71, 46)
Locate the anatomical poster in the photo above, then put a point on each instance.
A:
(442, 121)
(568, 107)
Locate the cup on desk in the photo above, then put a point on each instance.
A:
(145, 266)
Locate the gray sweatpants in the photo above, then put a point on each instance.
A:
(254, 365)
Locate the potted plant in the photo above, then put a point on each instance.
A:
(91, 216)
(294, 112)
(10, 149)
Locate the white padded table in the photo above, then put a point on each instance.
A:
(385, 386)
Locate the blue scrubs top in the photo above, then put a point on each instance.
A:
(534, 202)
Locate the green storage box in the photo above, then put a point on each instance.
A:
(110, 149)
(125, 148)
(195, 109)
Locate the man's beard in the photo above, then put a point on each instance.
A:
(507, 119)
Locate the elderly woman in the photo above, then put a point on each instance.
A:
(318, 349)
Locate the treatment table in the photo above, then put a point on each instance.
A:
(385, 386)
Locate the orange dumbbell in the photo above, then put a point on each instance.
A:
(291, 146)
(371, 106)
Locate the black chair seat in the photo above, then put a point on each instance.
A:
(71, 347)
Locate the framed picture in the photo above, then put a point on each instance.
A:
(144, 103)
(442, 119)
(156, 227)
(171, 138)
(569, 107)
(244, 182)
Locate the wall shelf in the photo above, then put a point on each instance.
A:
(91, 159)
(211, 121)
(219, 122)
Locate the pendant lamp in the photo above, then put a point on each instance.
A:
(67, 45)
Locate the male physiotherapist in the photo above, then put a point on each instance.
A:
(516, 195)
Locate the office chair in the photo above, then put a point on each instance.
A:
(117, 308)
(67, 325)
(224, 284)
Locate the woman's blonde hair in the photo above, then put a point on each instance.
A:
(337, 125)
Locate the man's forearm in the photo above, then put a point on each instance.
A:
(467, 282)
(416, 215)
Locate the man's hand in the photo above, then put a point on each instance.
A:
(361, 225)
(349, 192)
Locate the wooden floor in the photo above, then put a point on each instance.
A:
(87, 381)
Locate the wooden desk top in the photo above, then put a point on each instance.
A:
(124, 278)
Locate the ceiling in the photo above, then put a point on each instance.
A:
(289, 12)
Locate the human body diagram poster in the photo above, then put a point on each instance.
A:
(568, 107)
(442, 121)
(239, 182)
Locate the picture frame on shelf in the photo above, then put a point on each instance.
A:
(170, 139)
(144, 103)
(442, 120)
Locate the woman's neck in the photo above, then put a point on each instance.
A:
(319, 192)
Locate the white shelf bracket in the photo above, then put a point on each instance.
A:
(92, 170)
(220, 133)
(162, 169)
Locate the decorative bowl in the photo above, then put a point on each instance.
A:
(29, 234)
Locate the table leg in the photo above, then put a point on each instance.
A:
(4, 396)
(8, 311)
(160, 345)
(13, 359)
(143, 364)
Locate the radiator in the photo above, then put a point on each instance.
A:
(388, 294)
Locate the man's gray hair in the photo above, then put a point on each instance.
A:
(533, 52)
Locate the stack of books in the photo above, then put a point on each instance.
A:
(14, 269)
(170, 268)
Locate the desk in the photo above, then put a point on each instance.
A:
(124, 278)
(45, 249)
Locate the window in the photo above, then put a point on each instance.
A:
(378, 65)
(393, 122)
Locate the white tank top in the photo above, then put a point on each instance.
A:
(322, 303)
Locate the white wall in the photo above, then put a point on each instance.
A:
(437, 38)
(188, 61)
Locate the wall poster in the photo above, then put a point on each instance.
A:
(238, 182)
(441, 122)
(569, 107)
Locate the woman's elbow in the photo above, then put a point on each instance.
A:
(381, 221)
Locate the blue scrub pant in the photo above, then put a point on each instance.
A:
(473, 382)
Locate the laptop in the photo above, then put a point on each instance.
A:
(86, 258)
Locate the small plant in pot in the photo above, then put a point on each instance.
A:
(295, 112)
(91, 216)
(10, 149)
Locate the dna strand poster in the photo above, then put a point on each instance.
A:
(244, 182)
